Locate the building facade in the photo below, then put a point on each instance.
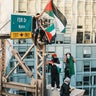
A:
(79, 39)
(6, 9)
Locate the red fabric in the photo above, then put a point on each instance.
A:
(50, 61)
(49, 36)
(54, 55)
(48, 6)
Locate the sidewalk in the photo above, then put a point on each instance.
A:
(54, 92)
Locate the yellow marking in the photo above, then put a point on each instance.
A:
(20, 35)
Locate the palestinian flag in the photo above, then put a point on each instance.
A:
(53, 11)
(50, 32)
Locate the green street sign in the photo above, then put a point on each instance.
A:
(21, 26)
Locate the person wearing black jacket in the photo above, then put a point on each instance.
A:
(65, 88)
(54, 72)
(36, 29)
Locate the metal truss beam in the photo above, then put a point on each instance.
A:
(4, 36)
(29, 49)
(40, 80)
(40, 64)
(19, 86)
(21, 63)
(9, 94)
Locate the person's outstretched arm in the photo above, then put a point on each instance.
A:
(65, 59)
(37, 16)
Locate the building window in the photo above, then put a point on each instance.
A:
(11, 79)
(67, 39)
(15, 41)
(94, 91)
(86, 66)
(11, 64)
(23, 93)
(95, 36)
(59, 42)
(59, 39)
(31, 67)
(86, 92)
(94, 80)
(79, 66)
(93, 66)
(20, 70)
(79, 26)
(79, 80)
(87, 37)
(86, 52)
(79, 37)
(30, 55)
(21, 53)
(22, 41)
(86, 80)
(22, 6)
(79, 83)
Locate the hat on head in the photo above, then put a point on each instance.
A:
(54, 55)
(67, 79)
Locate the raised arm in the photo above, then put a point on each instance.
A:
(65, 59)
(39, 15)
(74, 60)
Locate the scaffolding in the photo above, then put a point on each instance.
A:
(38, 85)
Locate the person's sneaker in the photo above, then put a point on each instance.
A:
(52, 88)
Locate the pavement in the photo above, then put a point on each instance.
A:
(53, 92)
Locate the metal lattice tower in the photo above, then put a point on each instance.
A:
(3, 62)
(37, 85)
